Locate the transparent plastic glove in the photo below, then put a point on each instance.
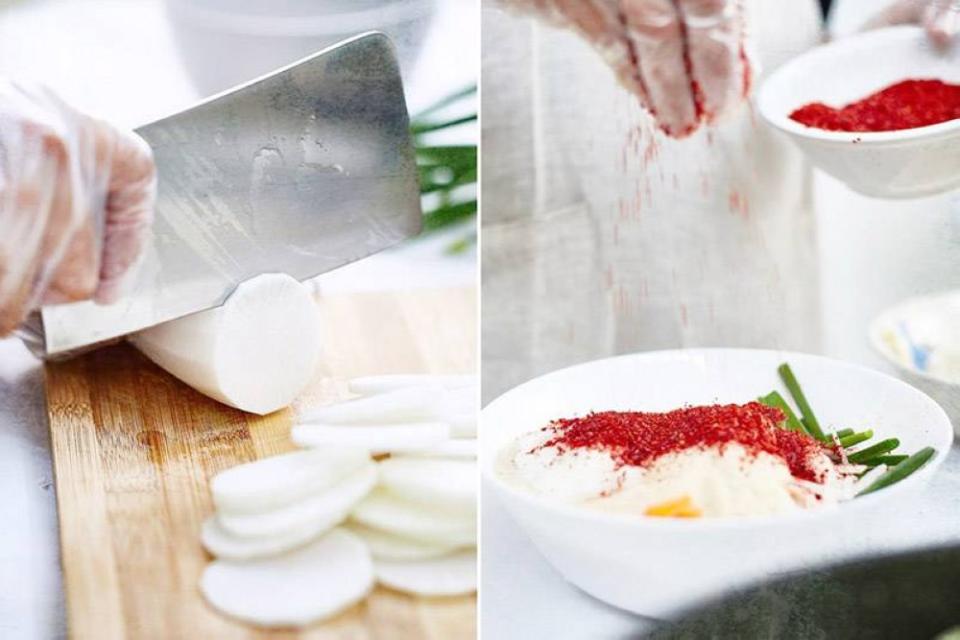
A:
(941, 18)
(684, 59)
(76, 203)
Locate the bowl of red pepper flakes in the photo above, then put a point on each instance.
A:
(879, 111)
(658, 566)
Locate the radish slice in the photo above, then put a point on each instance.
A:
(459, 401)
(330, 504)
(451, 575)
(370, 385)
(463, 425)
(377, 439)
(450, 484)
(223, 544)
(404, 405)
(389, 546)
(256, 352)
(277, 481)
(304, 586)
(386, 512)
(449, 449)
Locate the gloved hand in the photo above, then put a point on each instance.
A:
(76, 204)
(684, 59)
(941, 18)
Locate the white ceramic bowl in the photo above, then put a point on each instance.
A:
(889, 164)
(225, 42)
(657, 566)
(921, 338)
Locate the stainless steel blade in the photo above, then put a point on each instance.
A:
(300, 172)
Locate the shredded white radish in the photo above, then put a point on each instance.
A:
(370, 385)
(256, 352)
(223, 544)
(450, 449)
(295, 589)
(449, 484)
(404, 405)
(277, 481)
(451, 575)
(386, 512)
(390, 546)
(384, 438)
(331, 503)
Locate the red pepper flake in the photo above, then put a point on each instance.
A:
(904, 105)
(637, 439)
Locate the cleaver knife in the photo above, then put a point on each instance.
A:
(301, 171)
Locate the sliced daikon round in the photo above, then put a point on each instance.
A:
(458, 401)
(223, 544)
(462, 425)
(450, 575)
(403, 405)
(386, 512)
(370, 385)
(270, 483)
(465, 449)
(256, 352)
(330, 503)
(390, 546)
(303, 586)
(450, 484)
(384, 438)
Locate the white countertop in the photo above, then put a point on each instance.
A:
(124, 48)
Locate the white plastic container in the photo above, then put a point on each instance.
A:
(921, 338)
(225, 42)
(659, 566)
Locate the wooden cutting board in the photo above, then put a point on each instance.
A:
(134, 449)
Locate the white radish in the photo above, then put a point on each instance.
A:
(451, 575)
(277, 481)
(449, 484)
(370, 385)
(462, 425)
(389, 546)
(333, 503)
(256, 352)
(462, 449)
(304, 586)
(404, 405)
(385, 438)
(458, 401)
(386, 512)
(223, 544)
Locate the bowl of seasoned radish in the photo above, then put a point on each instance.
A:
(656, 480)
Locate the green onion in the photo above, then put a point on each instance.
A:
(901, 471)
(809, 419)
(447, 214)
(843, 433)
(882, 447)
(427, 127)
(890, 461)
(848, 441)
(774, 399)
